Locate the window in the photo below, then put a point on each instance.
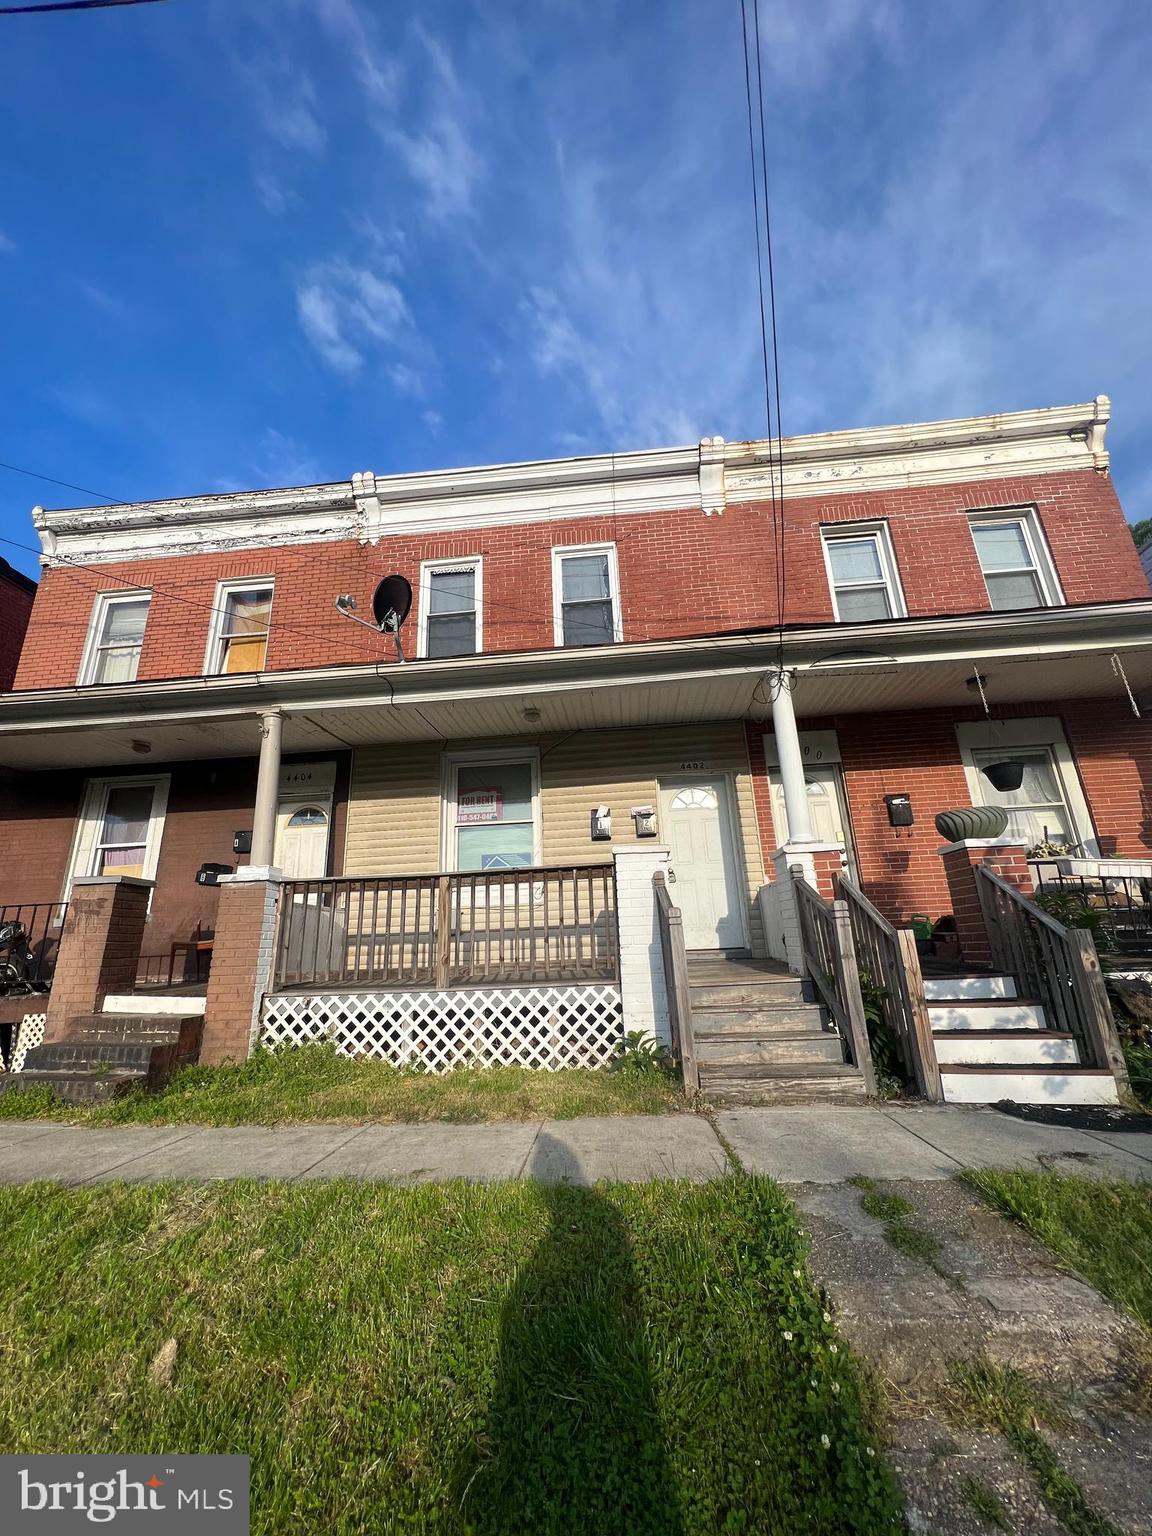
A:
(585, 595)
(115, 637)
(450, 610)
(862, 574)
(238, 638)
(491, 813)
(1049, 805)
(1017, 568)
(119, 828)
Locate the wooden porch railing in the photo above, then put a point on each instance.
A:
(495, 926)
(1057, 965)
(830, 959)
(676, 983)
(888, 956)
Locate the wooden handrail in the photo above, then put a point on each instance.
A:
(676, 983)
(890, 957)
(1038, 913)
(830, 959)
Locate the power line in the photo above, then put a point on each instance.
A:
(67, 484)
(70, 5)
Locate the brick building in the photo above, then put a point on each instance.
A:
(725, 650)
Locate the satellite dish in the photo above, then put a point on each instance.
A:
(391, 602)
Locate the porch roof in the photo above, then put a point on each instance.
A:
(1037, 654)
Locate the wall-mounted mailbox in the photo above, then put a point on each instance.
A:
(899, 810)
(601, 824)
(644, 820)
(209, 874)
(242, 842)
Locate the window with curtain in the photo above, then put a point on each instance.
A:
(1016, 570)
(117, 638)
(494, 820)
(1037, 811)
(587, 598)
(863, 576)
(122, 837)
(450, 626)
(244, 617)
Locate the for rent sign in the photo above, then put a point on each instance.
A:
(480, 805)
(65, 1494)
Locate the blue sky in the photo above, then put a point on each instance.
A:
(250, 242)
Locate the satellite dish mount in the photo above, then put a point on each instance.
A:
(391, 604)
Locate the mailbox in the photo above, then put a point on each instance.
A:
(209, 874)
(242, 842)
(899, 810)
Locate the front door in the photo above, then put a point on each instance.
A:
(302, 840)
(825, 809)
(705, 880)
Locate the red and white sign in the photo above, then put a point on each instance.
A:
(480, 805)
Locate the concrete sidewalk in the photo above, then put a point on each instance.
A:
(797, 1146)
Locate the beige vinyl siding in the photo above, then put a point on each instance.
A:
(394, 807)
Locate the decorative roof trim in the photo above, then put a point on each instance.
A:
(706, 477)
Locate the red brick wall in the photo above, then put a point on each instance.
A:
(16, 595)
(917, 753)
(680, 573)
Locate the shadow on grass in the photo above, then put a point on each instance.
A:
(573, 1440)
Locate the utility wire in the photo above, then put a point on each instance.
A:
(70, 5)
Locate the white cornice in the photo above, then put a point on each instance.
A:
(706, 476)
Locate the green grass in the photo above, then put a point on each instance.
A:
(985, 1503)
(896, 1214)
(1003, 1399)
(1139, 1062)
(648, 1360)
(313, 1082)
(1102, 1230)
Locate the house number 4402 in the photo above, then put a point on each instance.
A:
(693, 765)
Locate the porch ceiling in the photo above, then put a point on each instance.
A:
(841, 669)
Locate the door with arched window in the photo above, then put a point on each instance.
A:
(302, 840)
(703, 869)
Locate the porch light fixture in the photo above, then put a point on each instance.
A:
(531, 713)
(143, 747)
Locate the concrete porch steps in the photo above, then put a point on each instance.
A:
(762, 1038)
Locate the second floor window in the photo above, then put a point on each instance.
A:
(586, 596)
(115, 637)
(862, 574)
(1017, 570)
(238, 641)
(450, 608)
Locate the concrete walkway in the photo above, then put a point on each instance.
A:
(816, 1145)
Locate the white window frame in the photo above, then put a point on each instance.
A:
(450, 763)
(93, 808)
(100, 608)
(560, 552)
(1043, 566)
(214, 651)
(1039, 732)
(880, 532)
(430, 568)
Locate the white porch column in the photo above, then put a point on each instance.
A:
(642, 990)
(791, 761)
(267, 790)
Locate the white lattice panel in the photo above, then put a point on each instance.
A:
(544, 1027)
(29, 1032)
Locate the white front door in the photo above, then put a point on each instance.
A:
(705, 881)
(825, 808)
(302, 839)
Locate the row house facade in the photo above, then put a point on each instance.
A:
(717, 664)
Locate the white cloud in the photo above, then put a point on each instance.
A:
(284, 98)
(280, 460)
(7, 246)
(100, 298)
(342, 308)
(432, 422)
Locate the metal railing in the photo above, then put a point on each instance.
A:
(829, 955)
(887, 957)
(495, 926)
(1119, 890)
(31, 962)
(676, 983)
(1057, 965)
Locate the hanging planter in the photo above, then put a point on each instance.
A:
(1006, 775)
(972, 821)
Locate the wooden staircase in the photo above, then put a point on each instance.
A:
(762, 1038)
